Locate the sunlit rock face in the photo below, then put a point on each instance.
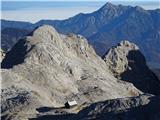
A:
(48, 69)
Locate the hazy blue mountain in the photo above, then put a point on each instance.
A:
(138, 25)
(15, 24)
(87, 24)
(10, 36)
(108, 26)
(12, 31)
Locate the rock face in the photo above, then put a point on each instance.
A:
(47, 69)
(116, 57)
(136, 108)
(126, 62)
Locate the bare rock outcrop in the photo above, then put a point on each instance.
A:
(53, 68)
(135, 108)
(116, 57)
(126, 62)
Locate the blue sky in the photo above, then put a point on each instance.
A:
(35, 11)
(80, 0)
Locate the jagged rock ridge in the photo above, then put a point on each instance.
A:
(48, 69)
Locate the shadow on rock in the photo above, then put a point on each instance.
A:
(16, 55)
(44, 109)
(150, 111)
(140, 75)
(55, 117)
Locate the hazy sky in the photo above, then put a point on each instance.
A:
(35, 11)
(79, 0)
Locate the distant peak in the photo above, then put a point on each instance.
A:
(138, 8)
(108, 5)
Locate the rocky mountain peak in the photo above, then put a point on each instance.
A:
(109, 12)
(108, 5)
(46, 33)
(44, 29)
(108, 9)
(129, 45)
(138, 8)
(127, 62)
(34, 47)
(116, 57)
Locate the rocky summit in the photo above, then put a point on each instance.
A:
(46, 69)
(128, 63)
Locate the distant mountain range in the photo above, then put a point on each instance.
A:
(103, 28)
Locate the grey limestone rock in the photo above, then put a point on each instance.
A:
(53, 68)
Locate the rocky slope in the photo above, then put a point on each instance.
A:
(144, 107)
(108, 25)
(127, 63)
(133, 108)
(47, 69)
